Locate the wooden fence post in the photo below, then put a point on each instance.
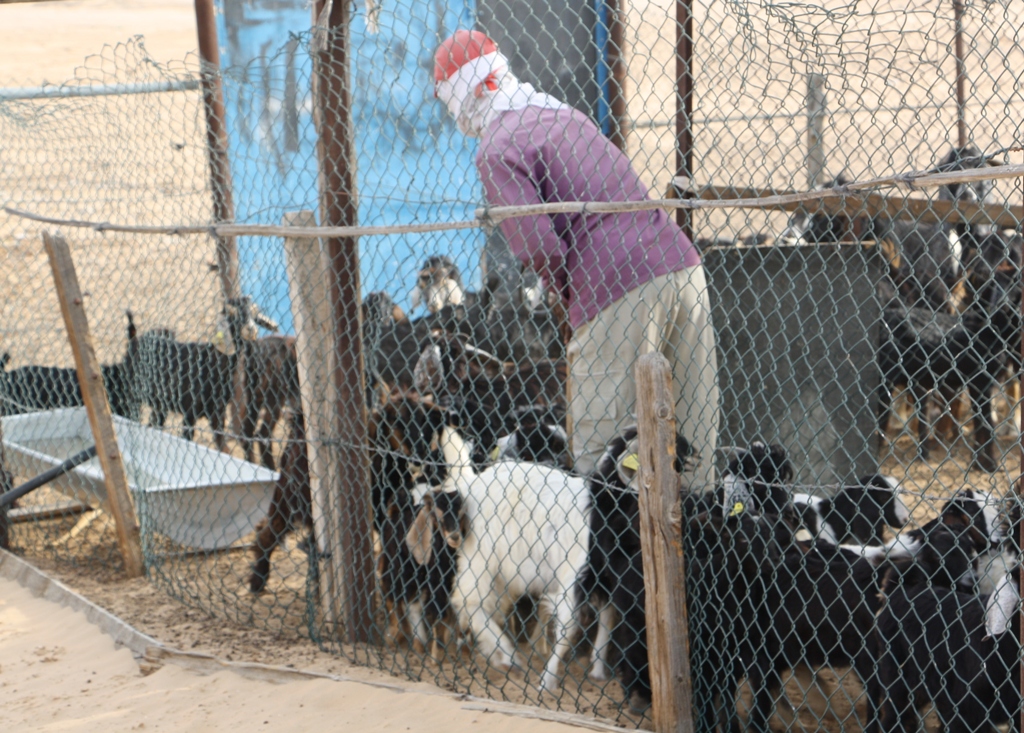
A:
(307, 269)
(94, 395)
(661, 539)
(333, 112)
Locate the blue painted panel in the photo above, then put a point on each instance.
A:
(413, 164)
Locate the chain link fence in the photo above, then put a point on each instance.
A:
(419, 453)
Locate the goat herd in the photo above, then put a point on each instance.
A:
(477, 514)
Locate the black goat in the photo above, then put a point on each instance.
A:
(730, 561)
(955, 649)
(925, 351)
(271, 384)
(31, 388)
(194, 379)
(824, 600)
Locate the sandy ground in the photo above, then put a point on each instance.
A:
(168, 284)
(58, 672)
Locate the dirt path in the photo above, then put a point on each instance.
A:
(58, 672)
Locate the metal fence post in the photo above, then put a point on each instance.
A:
(661, 540)
(217, 144)
(617, 107)
(684, 105)
(815, 130)
(338, 206)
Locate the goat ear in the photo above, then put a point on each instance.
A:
(428, 374)
(420, 537)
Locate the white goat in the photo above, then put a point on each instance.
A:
(528, 536)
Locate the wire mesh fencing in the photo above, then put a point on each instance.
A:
(416, 444)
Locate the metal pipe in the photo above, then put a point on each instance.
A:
(103, 90)
(619, 71)
(684, 103)
(217, 143)
(339, 208)
(44, 478)
(961, 73)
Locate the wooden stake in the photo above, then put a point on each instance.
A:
(307, 268)
(661, 539)
(90, 377)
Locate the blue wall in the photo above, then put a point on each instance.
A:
(413, 164)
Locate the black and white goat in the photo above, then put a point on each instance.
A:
(417, 566)
(613, 580)
(823, 601)
(854, 514)
(526, 538)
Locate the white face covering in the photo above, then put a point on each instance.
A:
(483, 88)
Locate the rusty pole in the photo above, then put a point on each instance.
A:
(1020, 479)
(684, 104)
(217, 143)
(961, 73)
(339, 208)
(618, 72)
(220, 182)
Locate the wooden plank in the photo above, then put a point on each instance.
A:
(661, 539)
(874, 204)
(307, 268)
(94, 395)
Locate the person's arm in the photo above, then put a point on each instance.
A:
(533, 239)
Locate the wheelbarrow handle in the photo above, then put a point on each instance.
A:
(44, 478)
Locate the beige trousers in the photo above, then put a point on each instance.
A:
(671, 314)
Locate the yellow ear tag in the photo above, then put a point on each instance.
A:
(737, 508)
(632, 462)
(494, 453)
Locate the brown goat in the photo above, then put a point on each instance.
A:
(291, 505)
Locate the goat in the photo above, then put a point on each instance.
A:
(513, 329)
(539, 437)
(958, 650)
(271, 384)
(31, 388)
(526, 537)
(854, 513)
(731, 557)
(823, 603)
(290, 506)
(928, 352)
(417, 565)
(195, 379)
(613, 577)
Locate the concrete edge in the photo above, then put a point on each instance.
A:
(152, 653)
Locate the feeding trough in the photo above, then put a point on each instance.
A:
(196, 496)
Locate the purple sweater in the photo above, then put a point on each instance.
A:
(534, 156)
